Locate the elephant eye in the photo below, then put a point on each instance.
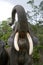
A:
(22, 34)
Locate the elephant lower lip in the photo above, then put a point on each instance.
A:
(21, 49)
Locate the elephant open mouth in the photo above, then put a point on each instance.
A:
(22, 36)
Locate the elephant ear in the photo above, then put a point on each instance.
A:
(35, 41)
(2, 43)
(10, 40)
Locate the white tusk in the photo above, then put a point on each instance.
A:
(30, 43)
(16, 41)
(16, 17)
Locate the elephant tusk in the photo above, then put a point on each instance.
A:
(30, 44)
(16, 41)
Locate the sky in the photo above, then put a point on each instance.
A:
(6, 7)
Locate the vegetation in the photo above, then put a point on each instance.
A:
(37, 10)
(5, 31)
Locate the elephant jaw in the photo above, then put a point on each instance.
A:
(29, 39)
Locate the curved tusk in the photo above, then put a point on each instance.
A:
(30, 43)
(16, 41)
(16, 17)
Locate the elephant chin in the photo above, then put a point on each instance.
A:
(30, 44)
(16, 41)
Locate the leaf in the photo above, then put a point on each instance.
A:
(29, 2)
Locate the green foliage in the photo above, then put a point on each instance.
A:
(40, 34)
(6, 36)
(7, 46)
(41, 38)
(5, 31)
(36, 55)
(38, 31)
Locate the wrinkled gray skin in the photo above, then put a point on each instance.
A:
(3, 54)
(2, 44)
(20, 57)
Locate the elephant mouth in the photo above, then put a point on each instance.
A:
(22, 35)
